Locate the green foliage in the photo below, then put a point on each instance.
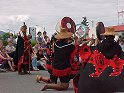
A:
(33, 42)
(15, 36)
(122, 34)
(4, 38)
(85, 22)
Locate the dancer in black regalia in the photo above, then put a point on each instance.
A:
(61, 66)
(103, 71)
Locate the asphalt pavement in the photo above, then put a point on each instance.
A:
(11, 82)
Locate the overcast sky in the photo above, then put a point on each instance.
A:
(46, 13)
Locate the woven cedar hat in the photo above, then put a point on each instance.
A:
(109, 31)
(63, 34)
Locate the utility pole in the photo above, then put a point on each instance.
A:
(92, 22)
(120, 14)
(118, 10)
(44, 28)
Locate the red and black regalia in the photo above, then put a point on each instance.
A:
(50, 56)
(75, 61)
(61, 67)
(61, 64)
(103, 72)
(19, 46)
(23, 52)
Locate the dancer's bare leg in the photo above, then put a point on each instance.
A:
(59, 87)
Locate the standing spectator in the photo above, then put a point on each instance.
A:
(39, 39)
(46, 38)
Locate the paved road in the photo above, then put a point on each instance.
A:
(11, 82)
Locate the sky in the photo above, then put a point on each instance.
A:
(47, 13)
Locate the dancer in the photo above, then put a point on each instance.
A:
(61, 64)
(23, 51)
(103, 71)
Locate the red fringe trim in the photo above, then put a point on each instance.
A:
(75, 80)
(74, 72)
(48, 66)
(61, 73)
(85, 54)
(20, 61)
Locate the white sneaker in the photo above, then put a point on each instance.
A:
(35, 69)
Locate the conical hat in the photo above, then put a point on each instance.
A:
(109, 31)
(63, 34)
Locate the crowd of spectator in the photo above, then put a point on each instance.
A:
(38, 56)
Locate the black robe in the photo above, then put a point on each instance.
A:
(19, 49)
(83, 83)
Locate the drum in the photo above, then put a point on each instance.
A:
(100, 29)
(68, 24)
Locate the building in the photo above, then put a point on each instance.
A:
(119, 29)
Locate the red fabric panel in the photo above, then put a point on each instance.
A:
(20, 61)
(85, 53)
(48, 66)
(61, 73)
(99, 61)
(74, 72)
(75, 65)
(75, 83)
(48, 51)
(117, 66)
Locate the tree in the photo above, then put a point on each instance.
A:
(4, 38)
(122, 36)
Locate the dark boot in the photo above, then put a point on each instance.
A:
(21, 71)
(26, 69)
